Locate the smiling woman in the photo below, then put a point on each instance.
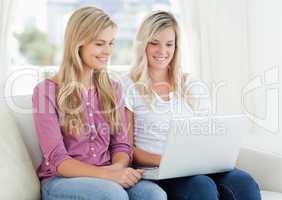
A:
(80, 159)
(161, 48)
(96, 53)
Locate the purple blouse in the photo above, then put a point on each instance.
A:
(94, 146)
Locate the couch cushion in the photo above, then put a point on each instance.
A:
(18, 178)
(267, 195)
(265, 167)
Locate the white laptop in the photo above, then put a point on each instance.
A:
(200, 145)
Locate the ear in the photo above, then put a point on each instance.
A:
(80, 44)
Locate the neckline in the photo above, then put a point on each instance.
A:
(161, 99)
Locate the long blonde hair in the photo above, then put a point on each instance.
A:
(152, 24)
(83, 26)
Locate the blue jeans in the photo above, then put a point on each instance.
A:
(88, 188)
(233, 185)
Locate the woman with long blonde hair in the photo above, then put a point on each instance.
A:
(157, 91)
(80, 120)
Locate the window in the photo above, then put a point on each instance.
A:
(37, 34)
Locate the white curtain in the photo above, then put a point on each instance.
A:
(215, 42)
(265, 61)
(236, 47)
(7, 8)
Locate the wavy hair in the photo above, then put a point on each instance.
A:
(152, 24)
(83, 27)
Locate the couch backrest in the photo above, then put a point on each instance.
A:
(18, 179)
(20, 108)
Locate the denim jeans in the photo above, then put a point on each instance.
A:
(88, 188)
(233, 185)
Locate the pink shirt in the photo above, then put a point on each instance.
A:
(94, 146)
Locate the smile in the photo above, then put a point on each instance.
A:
(160, 59)
(101, 59)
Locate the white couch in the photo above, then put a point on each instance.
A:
(20, 156)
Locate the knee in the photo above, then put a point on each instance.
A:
(115, 192)
(248, 181)
(239, 178)
(147, 190)
(122, 195)
(156, 194)
(202, 187)
(202, 182)
(241, 184)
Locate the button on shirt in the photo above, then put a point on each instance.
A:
(95, 145)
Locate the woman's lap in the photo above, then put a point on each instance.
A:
(236, 184)
(82, 188)
(233, 185)
(198, 187)
(88, 188)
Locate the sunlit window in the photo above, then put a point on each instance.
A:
(37, 34)
(38, 30)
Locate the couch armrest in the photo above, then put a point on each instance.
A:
(265, 167)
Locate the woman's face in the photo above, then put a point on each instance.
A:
(160, 49)
(97, 53)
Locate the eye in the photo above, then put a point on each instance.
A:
(99, 44)
(154, 43)
(169, 45)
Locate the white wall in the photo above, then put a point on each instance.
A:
(265, 61)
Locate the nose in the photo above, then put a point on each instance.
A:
(107, 49)
(162, 49)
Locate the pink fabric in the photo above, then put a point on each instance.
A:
(95, 145)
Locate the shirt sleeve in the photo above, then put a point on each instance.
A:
(128, 93)
(119, 140)
(48, 130)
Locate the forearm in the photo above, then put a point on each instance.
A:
(75, 168)
(140, 156)
(145, 158)
(121, 159)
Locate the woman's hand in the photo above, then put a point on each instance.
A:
(126, 177)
